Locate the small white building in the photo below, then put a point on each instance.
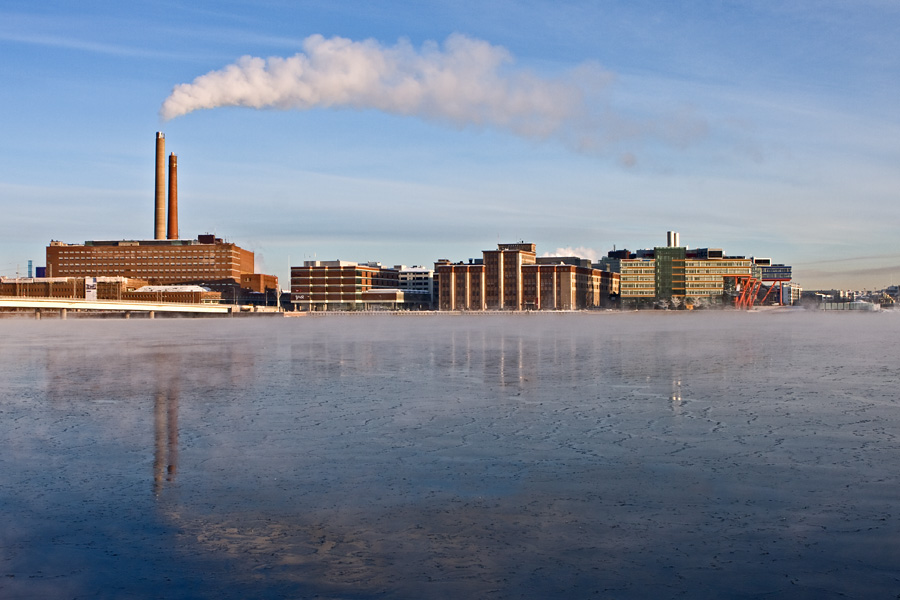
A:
(790, 293)
(416, 279)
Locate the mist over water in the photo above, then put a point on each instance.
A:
(625, 455)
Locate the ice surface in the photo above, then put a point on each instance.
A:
(617, 455)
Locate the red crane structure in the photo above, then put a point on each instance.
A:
(746, 287)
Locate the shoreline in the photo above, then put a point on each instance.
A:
(97, 315)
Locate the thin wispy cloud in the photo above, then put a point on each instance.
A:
(850, 259)
(82, 33)
(465, 82)
(233, 36)
(56, 41)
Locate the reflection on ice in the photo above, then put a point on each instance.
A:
(675, 398)
(625, 456)
(165, 425)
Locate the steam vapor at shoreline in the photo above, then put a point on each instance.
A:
(465, 83)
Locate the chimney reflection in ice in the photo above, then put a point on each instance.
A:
(165, 421)
(165, 427)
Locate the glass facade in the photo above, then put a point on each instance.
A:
(669, 272)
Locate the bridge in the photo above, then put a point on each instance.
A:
(63, 305)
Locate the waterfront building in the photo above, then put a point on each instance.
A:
(564, 286)
(637, 279)
(166, 259)
(460, 285)
(503, 275)
(346, 285)
(416, 279)
(669, 272)
(259, 282)
(675, 274)
(105, 288)
(161, 262)
(190, 294)
(776, 282)
(790, 293)
(513, 278)
(714, 278)
(766, 271)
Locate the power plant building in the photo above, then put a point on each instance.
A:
(166, 259)
(161, 262)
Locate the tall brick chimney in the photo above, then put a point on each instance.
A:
(172, 232)
(159, 229)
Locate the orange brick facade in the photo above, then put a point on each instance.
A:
(510, 279)
(160, 262)
(108, 288)
(258, 282)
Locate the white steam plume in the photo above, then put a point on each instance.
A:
(580, 252)
(465, 82)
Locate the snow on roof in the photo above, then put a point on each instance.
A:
(172, 288)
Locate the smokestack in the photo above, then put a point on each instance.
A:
(159, 230)
(673, 239)
(172, 233)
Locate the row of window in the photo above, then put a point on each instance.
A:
(717, 263)
(73, 271)
(144, 256)
(120, 263)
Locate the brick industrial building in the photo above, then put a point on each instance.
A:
(104, 288)
(166, 259)
(513, 278)
(161, 262)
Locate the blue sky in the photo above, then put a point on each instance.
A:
(764, 128)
